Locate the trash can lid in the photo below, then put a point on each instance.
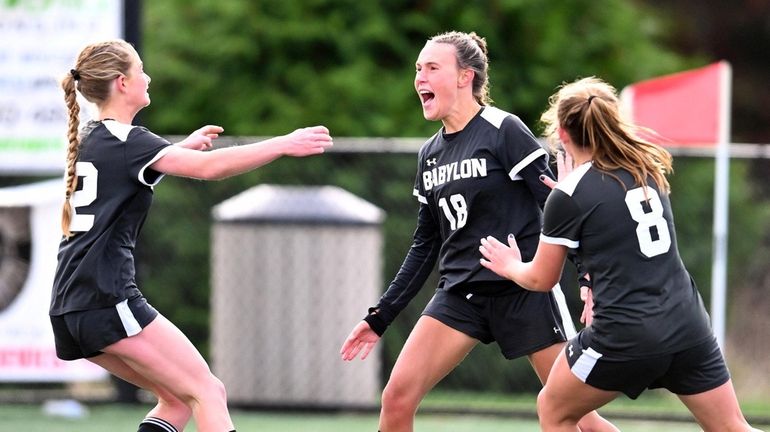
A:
(298, 204)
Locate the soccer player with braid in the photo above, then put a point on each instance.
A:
(479, 174)
(97, 311)
(650, 328)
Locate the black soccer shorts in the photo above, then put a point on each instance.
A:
(521, 323)
(84, 334)
(690, 371)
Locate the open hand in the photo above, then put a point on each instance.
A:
(499, 257)
(360, 341)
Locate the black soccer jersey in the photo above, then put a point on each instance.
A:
(645, 302)
(96, 265)
(480, 181)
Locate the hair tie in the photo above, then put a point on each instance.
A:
(75, 74)
(590, 98)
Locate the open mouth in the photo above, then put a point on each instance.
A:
(426, 96)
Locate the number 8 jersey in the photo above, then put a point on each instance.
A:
(110, 204)
(624, 236)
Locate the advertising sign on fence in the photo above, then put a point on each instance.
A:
(39, 41)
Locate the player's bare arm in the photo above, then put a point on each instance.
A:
(540, 274)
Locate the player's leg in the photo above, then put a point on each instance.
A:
(717, 410)
(699, 377)
(537, 324)
(565, 400)
(162, 354)
(542, 362)
(432, 350)
(169, 408)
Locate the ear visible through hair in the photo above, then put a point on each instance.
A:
(466, 77)
(120, 83)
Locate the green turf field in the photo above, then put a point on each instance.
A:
(483, 413)
(116, 418)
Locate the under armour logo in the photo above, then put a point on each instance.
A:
(431, 161)
(556, 329)
(570, 350)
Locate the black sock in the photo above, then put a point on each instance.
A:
(154, 424)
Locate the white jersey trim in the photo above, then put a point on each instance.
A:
(585, 363)
(514, 172)
(117, 129)
(420, 198)
(494, 116)
(121, 131)
(566, 319)
(130, 324)
(569, 184)
(572, 244)
(159, 155)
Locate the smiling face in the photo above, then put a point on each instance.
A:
(436, 79)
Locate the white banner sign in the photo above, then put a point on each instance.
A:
(29, 237)
(39, 41)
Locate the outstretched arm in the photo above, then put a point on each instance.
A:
(186, 161)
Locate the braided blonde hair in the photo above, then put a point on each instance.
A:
(96, 66)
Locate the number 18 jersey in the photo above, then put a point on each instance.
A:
(480, 181)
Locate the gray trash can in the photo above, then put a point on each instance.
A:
(294, 269)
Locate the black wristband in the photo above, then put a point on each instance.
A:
(376, 323)
(584, 280)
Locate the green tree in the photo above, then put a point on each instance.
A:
(262, 68)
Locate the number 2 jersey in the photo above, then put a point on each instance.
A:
(480, 181)
(96, 265)
(645, 302)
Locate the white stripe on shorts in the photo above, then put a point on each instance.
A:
(585, 363)
(566, 319)
(130, 324)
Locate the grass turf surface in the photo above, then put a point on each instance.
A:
(473, 412)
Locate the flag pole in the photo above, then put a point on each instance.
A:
(721, 208)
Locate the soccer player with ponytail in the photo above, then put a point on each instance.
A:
(97, 310)
(650, 328)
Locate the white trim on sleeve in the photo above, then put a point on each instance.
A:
(158, 155)
(572, 244)
(514, 172)
(420, 198)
